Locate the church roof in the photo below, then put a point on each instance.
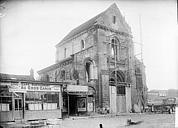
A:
(86, 25)
(82, 27)
(54, 66)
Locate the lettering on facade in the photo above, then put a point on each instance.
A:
(24, 87)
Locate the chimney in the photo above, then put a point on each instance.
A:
(32, 73)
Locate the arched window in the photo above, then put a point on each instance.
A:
(113, 47)
(88, 71)
(91, 71)
(82, 44)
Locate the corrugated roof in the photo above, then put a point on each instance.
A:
(15, 77)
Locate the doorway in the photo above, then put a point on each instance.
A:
(18, 113)
(121, 99)
(73, 105)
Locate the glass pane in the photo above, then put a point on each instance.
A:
(16, 104)
(20, 104)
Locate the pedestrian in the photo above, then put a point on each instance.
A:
(101, 126)
(152, 108)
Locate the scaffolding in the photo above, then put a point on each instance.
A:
(140, 91)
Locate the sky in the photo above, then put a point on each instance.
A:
(31, 29)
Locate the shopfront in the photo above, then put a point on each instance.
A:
(29, 101)
(77, 100)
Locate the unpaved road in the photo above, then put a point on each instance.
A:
(149, 121)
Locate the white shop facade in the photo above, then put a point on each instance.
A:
(30, 100)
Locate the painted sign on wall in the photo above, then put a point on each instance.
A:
(77, 88)
(24, 87)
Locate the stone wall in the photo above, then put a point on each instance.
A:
(74, 45)
(97, 50)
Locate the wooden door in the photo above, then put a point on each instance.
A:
(121, 104)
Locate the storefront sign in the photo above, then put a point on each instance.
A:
(24, 87)
(77, 88)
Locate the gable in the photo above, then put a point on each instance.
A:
(103, 18)
(81, 28)
(107, 20)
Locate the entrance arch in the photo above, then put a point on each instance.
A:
(118, 91)
(117, 77)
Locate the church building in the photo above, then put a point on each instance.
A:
(97, 61)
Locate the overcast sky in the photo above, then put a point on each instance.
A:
(31, 29)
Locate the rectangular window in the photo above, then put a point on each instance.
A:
(18, 104)
(114, 19)
(5, 103)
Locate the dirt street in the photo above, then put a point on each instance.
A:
(149, 121)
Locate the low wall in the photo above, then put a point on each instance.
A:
(31, 115)
(43, 114)
(6, 116)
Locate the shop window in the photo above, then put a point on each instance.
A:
(120, 90)
(5, 103)
(42, 101)
(81, 104)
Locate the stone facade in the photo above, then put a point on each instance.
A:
(99, 54)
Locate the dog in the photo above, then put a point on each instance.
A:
(130, 122)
